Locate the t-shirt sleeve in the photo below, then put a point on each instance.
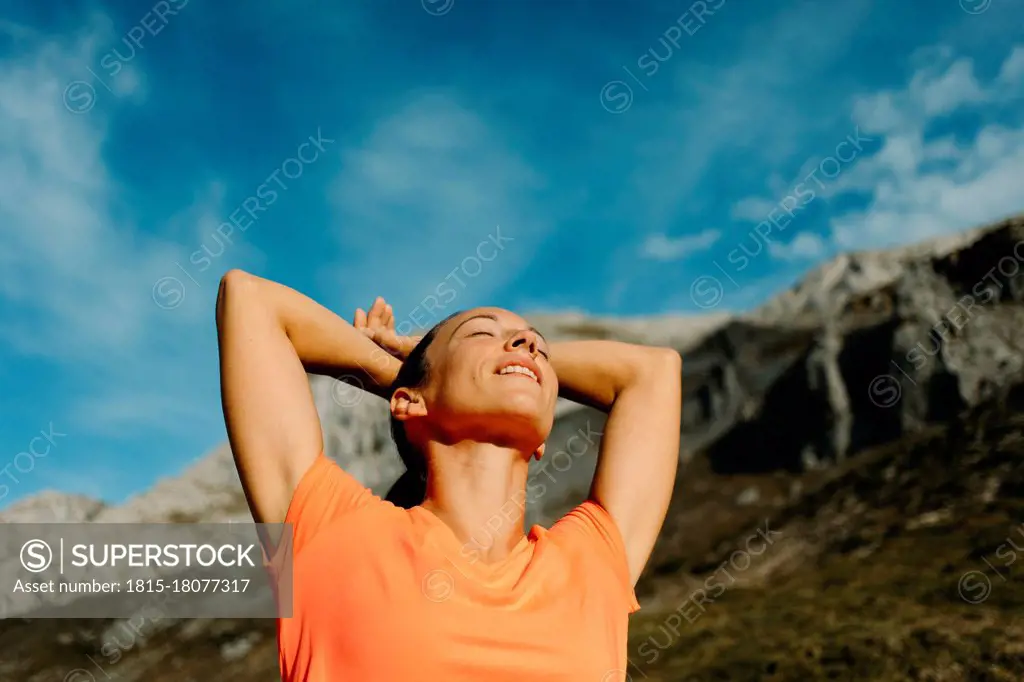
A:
(325, 493)
(595, 532)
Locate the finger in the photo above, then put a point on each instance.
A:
(360, 320)
(404, 346)
(376, 312)
(389, 317)
(390, 342)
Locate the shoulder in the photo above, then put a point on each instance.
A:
(327, 495)
(590, 537)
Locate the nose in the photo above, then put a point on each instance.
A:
(524, 339)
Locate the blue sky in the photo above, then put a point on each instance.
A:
(624, 156)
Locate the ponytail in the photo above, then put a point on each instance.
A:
(409, 490)
(411, 487)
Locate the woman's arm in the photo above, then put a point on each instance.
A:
(270, 336)
(640, 387)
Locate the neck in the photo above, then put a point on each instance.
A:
(479, 491)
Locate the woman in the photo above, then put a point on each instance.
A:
(388, 592)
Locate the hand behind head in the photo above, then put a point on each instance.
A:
(379, 326)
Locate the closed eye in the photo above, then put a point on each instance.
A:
(484, 332)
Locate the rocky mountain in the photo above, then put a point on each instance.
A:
(897, 564)
(870, 350)
(867, 347)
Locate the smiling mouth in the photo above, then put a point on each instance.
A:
(519, 370)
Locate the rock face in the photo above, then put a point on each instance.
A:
(900, 563)
(867, 348)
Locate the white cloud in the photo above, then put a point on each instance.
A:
(941, 94)
(935, 90)
(432, 182)
(805, 246)
(65, 258)
(733, 120)
(1012, 71)
(718, 111)
(660, 247)
(752, 209)
(75, 273)
(917, 187)
(923, 188)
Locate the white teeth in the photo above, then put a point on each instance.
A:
(518, 369)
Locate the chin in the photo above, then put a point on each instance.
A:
(537, 421)
(520, 417)
(528, 407)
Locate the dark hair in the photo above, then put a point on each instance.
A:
(411, 487)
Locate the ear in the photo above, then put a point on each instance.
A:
(539, 452)
(407, 404)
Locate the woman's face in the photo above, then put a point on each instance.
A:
(490, 380)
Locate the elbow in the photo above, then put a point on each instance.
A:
(234, 279)
(663, 361)
(654, 365)
(664, 376)
(233, 284)
(660, 366)
(670, 356)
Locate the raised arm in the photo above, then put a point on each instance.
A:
(640, 388)
(270, 336)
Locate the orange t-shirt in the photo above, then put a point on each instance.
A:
(385, 594)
